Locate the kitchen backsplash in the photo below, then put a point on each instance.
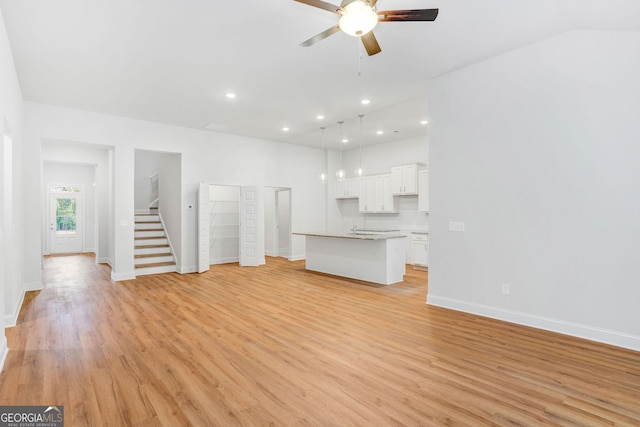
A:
(407, 219)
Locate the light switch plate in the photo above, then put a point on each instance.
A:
(123, 223)
(456, 226)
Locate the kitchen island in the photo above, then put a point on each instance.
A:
(377, 257)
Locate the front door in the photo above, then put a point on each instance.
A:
(65, 223)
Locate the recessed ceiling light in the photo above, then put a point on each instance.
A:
(380, 132)
(365, 102)
(320, 117)
(345, 140)
(285, 129)
(424, 122)
(231, 95)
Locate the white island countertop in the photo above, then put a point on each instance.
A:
(362, 235)
(371, 255)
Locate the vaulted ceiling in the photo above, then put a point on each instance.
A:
(173, 61)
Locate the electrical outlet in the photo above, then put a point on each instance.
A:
(506, 289)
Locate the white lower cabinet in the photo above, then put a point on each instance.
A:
(420, 246)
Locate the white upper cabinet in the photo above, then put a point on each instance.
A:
(404, 180)
(347, 189)
(423, 191)
(375, 194)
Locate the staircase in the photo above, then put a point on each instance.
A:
(152, 251)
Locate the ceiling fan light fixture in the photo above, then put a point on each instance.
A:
(358, 19)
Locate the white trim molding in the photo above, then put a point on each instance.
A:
(592, 333)
(4, 350)
(123, 276)
(10, 320)
(105, 260)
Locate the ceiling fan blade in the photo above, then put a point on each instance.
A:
(321, 4)
(323, 35)
(407, 15)
(370, 43)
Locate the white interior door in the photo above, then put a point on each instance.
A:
(251, 241)
(65, 223)
(203, 227)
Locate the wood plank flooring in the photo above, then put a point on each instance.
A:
(277, 345)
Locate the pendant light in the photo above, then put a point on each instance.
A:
(360, 170)
(323, 173)
(340, 173)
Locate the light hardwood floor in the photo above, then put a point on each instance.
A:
(277, 345)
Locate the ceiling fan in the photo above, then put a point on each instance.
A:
(359, 17)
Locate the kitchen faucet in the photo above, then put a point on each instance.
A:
(353, 230)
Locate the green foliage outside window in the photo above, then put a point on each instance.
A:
(66, 215)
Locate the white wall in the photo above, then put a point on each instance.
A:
(537, 152)
(146, 165)
(12, 286)
(72, 174)
(171, 207)
(207, 156)
(379, 158)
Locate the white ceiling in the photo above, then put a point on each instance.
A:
(173, 61)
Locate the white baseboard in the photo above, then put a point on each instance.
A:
(4, 350)
(284, 252)
(592, 333)
(298, 257)
(188, 269)
(89, 250)
(224, 260)
(105, 261)
(10, 320)
(122, 276)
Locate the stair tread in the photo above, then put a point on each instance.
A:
(155, 264)
(153, 255)
(151, 246)
(150, 223)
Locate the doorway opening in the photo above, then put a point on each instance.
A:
(277, 219)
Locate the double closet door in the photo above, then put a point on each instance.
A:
(229, 226)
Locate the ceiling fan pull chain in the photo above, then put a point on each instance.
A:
(358, 45)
